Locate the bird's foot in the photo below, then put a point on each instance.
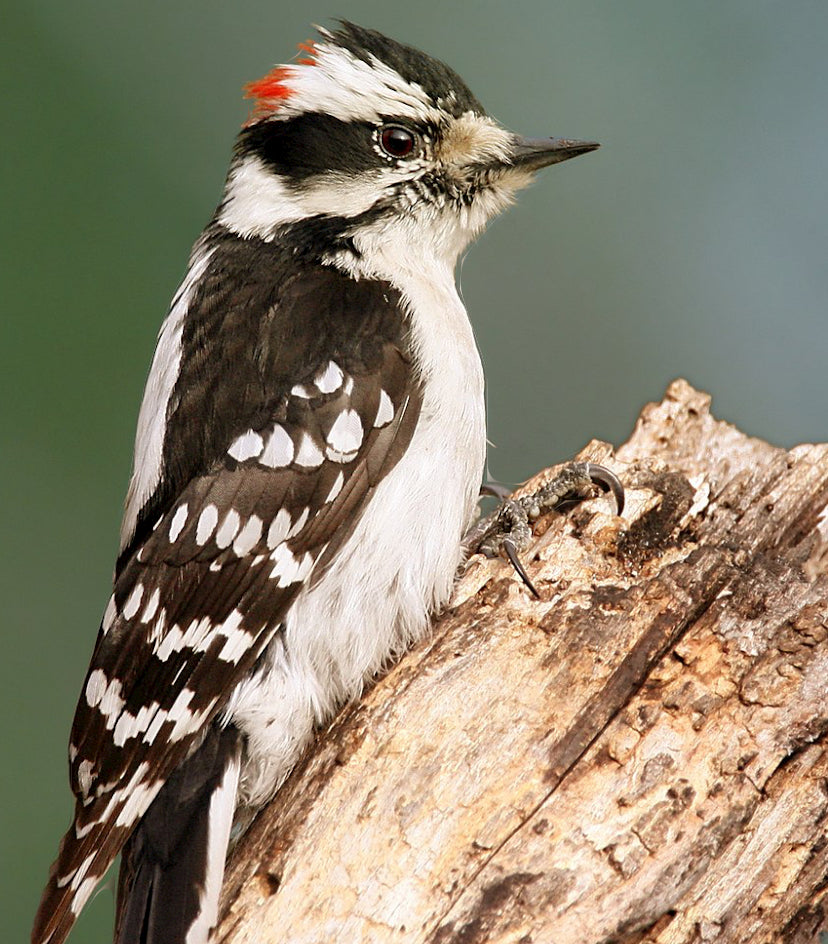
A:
(508, 530)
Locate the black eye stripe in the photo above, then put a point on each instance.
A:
(311, 145)
(314, 145)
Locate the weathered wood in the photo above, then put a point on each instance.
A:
(641, 756)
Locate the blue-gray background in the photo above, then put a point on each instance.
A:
(692, 244)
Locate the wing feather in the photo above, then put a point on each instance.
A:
(200, 594)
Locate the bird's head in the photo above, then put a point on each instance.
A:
(365, 142)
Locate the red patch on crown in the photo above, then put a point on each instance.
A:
(272, 89)
(310, 48)
(271, 86)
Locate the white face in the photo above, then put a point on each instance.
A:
(445, 184)
(349, 138)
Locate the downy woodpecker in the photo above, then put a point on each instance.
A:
(308, 456)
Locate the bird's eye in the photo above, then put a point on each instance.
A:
(397, 141)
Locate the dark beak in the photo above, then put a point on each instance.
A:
(535, 153)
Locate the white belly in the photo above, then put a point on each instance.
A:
(395, 570)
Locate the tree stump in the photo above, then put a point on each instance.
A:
(640, 756)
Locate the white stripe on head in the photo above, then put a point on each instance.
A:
(257, 202)
(339, 84)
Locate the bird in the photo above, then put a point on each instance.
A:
(308, 457)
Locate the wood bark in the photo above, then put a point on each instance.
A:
(640, 756)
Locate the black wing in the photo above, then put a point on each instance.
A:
(202, 589)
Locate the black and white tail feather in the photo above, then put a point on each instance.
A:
(172, 864)
(308, 455)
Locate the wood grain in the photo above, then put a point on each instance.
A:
(640, 756)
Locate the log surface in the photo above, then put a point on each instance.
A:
(640, 756)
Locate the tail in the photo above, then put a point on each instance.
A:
(173, 864)
(87, 850)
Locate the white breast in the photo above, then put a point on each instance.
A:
(398, 566)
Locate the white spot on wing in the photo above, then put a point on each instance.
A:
(85, 770)
(235, 647)
(303, 391)
(207, 521)
(247, 446)
(105, 696)
(110, 614)
(112, 704)
(385, 411)
(95, 687)
(199, 634)
(179, 708)
(305, 566)
(123, 729)
(178, 521)
(288, 568)
(152, 606)
(133, 601)
(279, 450)
(81, 831)
(155, 727)
(81, 871)
(158, 628)
(81, 896)
(308, 454)
(278, 528)
(172, 642)
(300, 523)
(238, 640)
(336, 488)
(249, 536)
(330, 379)
(345, 437)
(285, 565)
(229, 528)
(130, 726)
(187, 721)
(139, 794)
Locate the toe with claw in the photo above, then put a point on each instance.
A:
(508, 530)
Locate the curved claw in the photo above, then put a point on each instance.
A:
(495, 490)
(511, 553)
(608, 481)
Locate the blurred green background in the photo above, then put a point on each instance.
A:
(692, 244)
